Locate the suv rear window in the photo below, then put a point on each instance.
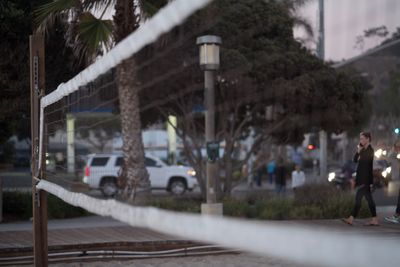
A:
(119, 161)
(101, 161)
(148, 162)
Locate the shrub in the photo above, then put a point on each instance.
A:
(59, 209)
(276, 209)
(337, 207)
(316, 194)
(18, 206)
(310, 202)
(311, 212)
(177, 204)
(236, 208)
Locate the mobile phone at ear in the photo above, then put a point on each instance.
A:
(360, 145)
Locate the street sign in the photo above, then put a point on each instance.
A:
(213, 151)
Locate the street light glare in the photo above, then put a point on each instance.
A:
(378, 153)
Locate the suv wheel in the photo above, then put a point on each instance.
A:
(177, 186)
(109, 187)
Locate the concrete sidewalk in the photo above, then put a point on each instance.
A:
(87, 224)
(80, 222)
(84, 235)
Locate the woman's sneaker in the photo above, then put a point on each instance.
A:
(393, 219)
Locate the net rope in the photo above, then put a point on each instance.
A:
(292, 242)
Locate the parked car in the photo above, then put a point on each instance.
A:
(344, 178)
(101, 172)
(382, 173)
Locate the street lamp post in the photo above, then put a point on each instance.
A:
(209, 62)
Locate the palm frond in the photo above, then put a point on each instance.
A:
(96, 5)
(295, 4)
(303, 23)
(94, 32)
(46, 15)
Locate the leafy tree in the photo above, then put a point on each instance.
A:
(268, 86)
(387, 110)
(376, 32)
(14, 66)
(388, 103)
(16, 21)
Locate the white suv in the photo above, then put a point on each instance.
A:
(101, 172)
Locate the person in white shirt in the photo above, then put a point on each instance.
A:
(298, 177)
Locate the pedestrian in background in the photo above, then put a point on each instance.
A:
(280, 176)
(298, 177)
(271, 171)
(395, 218)
(259, 169)
(364, 179)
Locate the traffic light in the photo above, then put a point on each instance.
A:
(312, 142)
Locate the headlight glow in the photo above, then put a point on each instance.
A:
(378, 153)
(191, 172)
(388, 169)
(331, 176)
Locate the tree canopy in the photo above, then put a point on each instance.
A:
(15, 27)
(262, 65)
(269, 86)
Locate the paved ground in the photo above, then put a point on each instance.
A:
(98, 230)
(230, 260)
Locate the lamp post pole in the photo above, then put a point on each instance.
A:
(209, 100)
(209, 62)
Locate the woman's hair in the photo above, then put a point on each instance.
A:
(367, 135)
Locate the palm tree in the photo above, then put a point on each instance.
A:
(89, 36)
(298, 20)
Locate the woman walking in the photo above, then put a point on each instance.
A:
(364, 179)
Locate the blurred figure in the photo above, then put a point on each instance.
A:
(271, 171)
(348, 169)
(280, 176)
(259, 168)
(394, 162)
(298, 177)
(395, 218)
(249, 170)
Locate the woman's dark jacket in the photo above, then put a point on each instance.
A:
(365, 159)
(280, 175)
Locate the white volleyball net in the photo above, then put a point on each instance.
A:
(81, 121)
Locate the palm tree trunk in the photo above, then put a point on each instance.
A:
(137, 187)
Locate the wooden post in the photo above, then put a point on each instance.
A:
(39, 197)
(1, 199)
